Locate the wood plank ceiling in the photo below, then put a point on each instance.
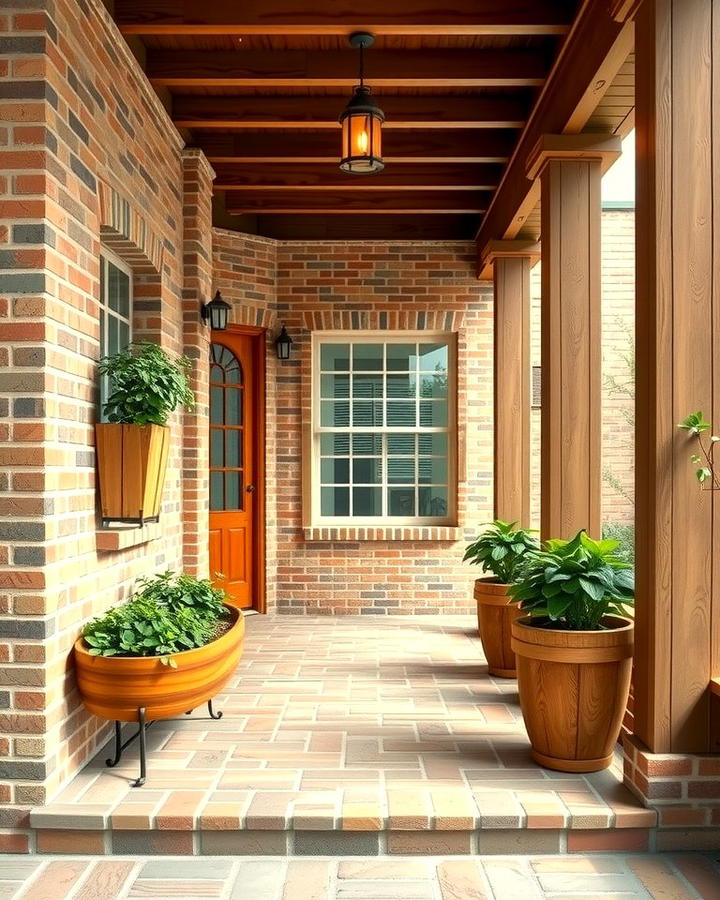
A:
(259, 85)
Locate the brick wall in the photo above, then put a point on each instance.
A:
(348, 285)
(89, 156)
(618, 323)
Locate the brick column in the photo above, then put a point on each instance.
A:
(570, 169)
(678, 372)
(511, 262)
(197, 288)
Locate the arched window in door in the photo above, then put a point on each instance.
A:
(227, 489)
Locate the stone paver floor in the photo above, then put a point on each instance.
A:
(671, 877)
(349, 723)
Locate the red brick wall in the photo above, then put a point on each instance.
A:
(316, 283)
(89, 155)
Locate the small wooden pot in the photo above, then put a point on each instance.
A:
(115, 687)
(573, 688)
(495, 617)
(131, 464)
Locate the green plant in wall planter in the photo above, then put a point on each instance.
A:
(499, 551)
(574, 648)
(146, 385)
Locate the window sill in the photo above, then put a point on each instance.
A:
(383, 533)
(108, 540)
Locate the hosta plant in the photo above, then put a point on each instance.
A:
(704, 461)
(573, 585)
(170, 613)
(146, 384)
(501, 549)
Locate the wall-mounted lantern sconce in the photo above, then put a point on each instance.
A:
(216, 312)
(282, 344)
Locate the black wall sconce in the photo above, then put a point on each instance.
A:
(282, 344)
(216, 312)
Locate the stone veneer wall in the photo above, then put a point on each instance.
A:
(88, 156)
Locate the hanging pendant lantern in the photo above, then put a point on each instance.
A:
(361, 122)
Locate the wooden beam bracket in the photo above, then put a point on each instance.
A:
(606, 149)
(493, 250)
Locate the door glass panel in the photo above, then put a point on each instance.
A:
(216, 491)
(227, 487)
(233, 448)
(216, 448)
(233, 485)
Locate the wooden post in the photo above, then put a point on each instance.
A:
(511, 262)
(678, 371)
(570, 168)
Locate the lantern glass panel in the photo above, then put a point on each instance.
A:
(218, 317)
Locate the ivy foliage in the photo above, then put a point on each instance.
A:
(575, 584)
(146, 384)
(703, 461)
(170, 613)
(501, 550)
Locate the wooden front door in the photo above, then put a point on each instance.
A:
(234, 466)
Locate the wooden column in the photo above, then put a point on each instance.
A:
(570, 169)
(511, 262)
(678, 371)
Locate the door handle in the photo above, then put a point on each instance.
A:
(250, 489)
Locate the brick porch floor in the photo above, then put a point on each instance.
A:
(348, 735)
(676, 877)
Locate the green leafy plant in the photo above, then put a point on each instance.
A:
(696, 426)
(573, 585)
(501, 549)
(146, 384)
(172, 612)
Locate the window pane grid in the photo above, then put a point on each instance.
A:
(396, 395)
(115, 314)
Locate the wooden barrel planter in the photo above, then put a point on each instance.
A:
(131, 464)
(573, 688)
(495, 617)
(116, 687)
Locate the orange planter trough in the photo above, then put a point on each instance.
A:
(573, 688)
(116, 687)
(495, 617)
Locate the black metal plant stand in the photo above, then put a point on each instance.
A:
(143, 726)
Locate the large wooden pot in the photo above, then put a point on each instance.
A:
(131, 464)
(115, 687)
(495, 617)
(573, 688)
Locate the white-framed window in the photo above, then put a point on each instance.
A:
(384, 428)
(116, 302)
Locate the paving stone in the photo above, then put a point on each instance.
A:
(336, 843)
(187, 868)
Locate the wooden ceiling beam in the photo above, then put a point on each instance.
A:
(367, 227)
(471, 146)
(451, 68)
(340, 17)
(339, 202)
(324, 177)
(592, 55)
(433, 111)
